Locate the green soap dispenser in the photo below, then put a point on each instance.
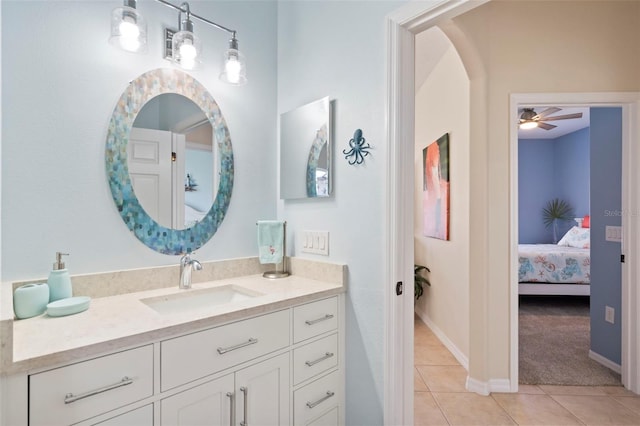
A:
(59, 280)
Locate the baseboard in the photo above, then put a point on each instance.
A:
(486, 388)
(457, 353)
(606, 362)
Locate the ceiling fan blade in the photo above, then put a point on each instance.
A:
(564, 117)
(546, 126)
(546, 112)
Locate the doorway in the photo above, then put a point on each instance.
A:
(402, 26)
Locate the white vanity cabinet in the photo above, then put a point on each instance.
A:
(79, 391)
(279, 368)
(255, 395)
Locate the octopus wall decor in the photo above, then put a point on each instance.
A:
(359, 148)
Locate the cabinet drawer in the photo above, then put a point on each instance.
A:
(79, 391)
(196, 355)
(143, 416)
(314, 318)
(317, 397)
(314, 358)
(332, 418)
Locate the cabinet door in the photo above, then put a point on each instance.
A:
(262, 393)
(207, 404)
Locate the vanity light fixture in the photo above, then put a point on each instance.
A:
(129, 31)
(128, 28)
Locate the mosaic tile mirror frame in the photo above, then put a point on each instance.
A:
(155, 236)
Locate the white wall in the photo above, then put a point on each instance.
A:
(337, 49)
(61, 80)
(442, 106)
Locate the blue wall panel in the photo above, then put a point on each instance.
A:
(606, 209)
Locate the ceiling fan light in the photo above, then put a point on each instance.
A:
(527, 125)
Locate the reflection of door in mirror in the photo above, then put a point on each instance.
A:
(172, 161)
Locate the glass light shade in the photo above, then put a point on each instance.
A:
(186, 49)
(128, 29)
(528, 125)
(234, 68)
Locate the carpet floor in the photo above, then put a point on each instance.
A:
(554, 344)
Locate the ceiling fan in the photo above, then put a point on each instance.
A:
(529, 119)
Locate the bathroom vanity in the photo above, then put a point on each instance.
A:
(257, 352)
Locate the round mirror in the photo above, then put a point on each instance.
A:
(169, 161)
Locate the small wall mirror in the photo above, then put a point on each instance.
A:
(169, 161)
(305, 151)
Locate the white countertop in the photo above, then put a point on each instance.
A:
(121, 321)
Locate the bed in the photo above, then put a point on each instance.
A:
(556, 269)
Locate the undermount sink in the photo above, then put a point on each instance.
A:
(191, 300)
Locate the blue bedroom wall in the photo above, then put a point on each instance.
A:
(606, 209)
(535, 187)
(547, 169)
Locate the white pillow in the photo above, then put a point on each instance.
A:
(576, 237)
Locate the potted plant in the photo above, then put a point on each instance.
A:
(419, 281)
(555, 211)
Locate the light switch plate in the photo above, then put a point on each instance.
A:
(613, 233)
(316, 242)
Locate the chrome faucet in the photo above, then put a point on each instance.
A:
(187, 264)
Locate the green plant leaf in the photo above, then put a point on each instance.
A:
(556, 209)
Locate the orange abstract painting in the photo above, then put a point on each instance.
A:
(435, 202)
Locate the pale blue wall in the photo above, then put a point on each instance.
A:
(547, 169)
(606, 205)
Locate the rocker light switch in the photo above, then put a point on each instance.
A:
(613, 233)
(316, 242)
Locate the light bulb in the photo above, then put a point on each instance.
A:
(528, 125)
(232, 68)
(188, 54)
(129, 35)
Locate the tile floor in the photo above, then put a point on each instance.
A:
(440, 397)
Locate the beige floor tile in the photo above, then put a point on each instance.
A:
(616, 391)
(530, 389)
(572, 390)
(598, 410)
(448, 378)
(471, 409)
(432, 355)
(527, 409)
(631, 402)
(426, 411)
(418, 384)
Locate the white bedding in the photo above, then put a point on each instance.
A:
(550, 263)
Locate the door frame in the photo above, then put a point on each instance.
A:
(630, 104)
(401, 27)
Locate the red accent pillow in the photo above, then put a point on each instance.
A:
(585, 222)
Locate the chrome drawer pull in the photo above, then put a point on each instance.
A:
(251, 341)
(245, 421)
(324, 318)
(326, 356)
(230, 395)
(321, 400)
(69, 398)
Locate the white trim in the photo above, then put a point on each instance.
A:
(486, 388)
(401, 25)
(630, 103)
(604, 361)
(457, 353)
